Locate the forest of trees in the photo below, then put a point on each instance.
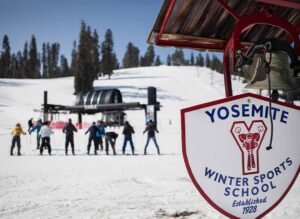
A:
(89, 59)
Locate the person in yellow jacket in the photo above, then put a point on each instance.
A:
(16, 133)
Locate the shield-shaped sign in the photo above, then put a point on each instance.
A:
(242, 153)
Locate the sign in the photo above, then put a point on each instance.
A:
(150, 113)
(224, 149)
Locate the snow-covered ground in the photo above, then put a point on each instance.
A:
(33, 186)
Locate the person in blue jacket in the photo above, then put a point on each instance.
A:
(37, 127)
(93, 137)
(100, 134)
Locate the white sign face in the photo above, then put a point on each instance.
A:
(225, 151)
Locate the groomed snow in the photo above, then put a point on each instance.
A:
(81, 186)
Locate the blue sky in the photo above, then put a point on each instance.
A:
(59, 21)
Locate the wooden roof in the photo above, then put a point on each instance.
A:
(206, 24)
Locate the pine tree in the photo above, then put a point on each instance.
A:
(157, 61)
(25, 70)
(96, 54)
(33, 61)
(178, 57)
(148, 59)
(65, 70)
(214, 63)
(131, 57)
(5, 60)
(207, 61)
(19, 73)
(14, 65)
(74, 61)
(169, 60)
(48, 61)
(109, 60)
(84, 74)
(200, 60)
(192, 61)
(44, 61)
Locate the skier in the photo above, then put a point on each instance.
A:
(93, 137)
(127, 132)
(37, 128)
(30, 124)
(151, 129)
(110, 138)
(69, 130)
(16, 133)
(45, 133)
(99, 134)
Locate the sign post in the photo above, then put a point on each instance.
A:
(224, 149)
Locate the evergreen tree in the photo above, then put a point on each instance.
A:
(5, 60)
(109, 60)
(169, 60)
(131, 57)
(207, 61)
(14, 65)
(84, 74)
(213, 63)
(65, 70)
(33, 61)
(44, 61)
(192, 61)
(48, 61)
(157, 61)
(74, 61)
(54, 58)
(200, 60)
(148, 59)
(25, 70)
(19, 59)
(96, 54)
(178, 57)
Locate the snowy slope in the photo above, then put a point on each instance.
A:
(103, 186)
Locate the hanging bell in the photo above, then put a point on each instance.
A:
(279, 74)
(257, 65)
(292, 95)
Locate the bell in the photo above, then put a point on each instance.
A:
(292, 95)
(280, 72)
(249, 70)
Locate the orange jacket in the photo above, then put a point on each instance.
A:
(17, 131)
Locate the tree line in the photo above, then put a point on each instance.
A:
(89, 59)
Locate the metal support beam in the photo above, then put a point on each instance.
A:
(226, 69)
(229, 9)
(171, 6)
(45, 116)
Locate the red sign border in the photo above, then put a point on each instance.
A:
(189, 170)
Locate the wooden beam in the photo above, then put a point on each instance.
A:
(282, 3)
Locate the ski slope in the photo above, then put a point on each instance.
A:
(81, 186)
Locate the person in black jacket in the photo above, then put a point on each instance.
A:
(69, 130)
(94, 131)
(127, 132)
(30, 124)
(110, 138)
(151, 129)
